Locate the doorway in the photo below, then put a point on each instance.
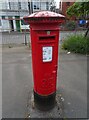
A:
(11, 25)
(17, 23)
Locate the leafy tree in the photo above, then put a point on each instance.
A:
(79, 9)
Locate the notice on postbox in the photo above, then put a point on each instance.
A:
(47, 54)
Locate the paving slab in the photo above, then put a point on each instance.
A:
(17, 84)
(55, 112)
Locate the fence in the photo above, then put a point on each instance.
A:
(15, 31)
(15, 38)
(23, 38)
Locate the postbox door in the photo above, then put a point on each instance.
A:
(46, 65)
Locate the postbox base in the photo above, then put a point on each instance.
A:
(44, 102)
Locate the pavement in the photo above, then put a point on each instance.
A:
(17, 83)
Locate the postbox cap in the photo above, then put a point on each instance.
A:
(44, 16)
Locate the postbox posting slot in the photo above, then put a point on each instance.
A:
(46, 37)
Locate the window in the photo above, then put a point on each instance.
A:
(68, 3)
(36, 5)
(23, 23)
(19, 5)
(0, 23)
(47, 6)
(9, 5)
(60, 5)
(3, 17)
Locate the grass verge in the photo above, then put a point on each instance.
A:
(76, 44)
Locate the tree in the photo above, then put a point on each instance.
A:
(79, 9)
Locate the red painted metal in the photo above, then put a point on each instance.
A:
(44, 35)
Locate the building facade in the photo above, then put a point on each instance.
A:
(12, 12)
(37, 5)
(63, 6)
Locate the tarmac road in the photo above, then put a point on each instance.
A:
(17, 83)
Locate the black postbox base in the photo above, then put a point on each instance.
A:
(44, 102)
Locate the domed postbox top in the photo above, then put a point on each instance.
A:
(44, 16)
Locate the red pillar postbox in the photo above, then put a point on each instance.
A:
(44, 29)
